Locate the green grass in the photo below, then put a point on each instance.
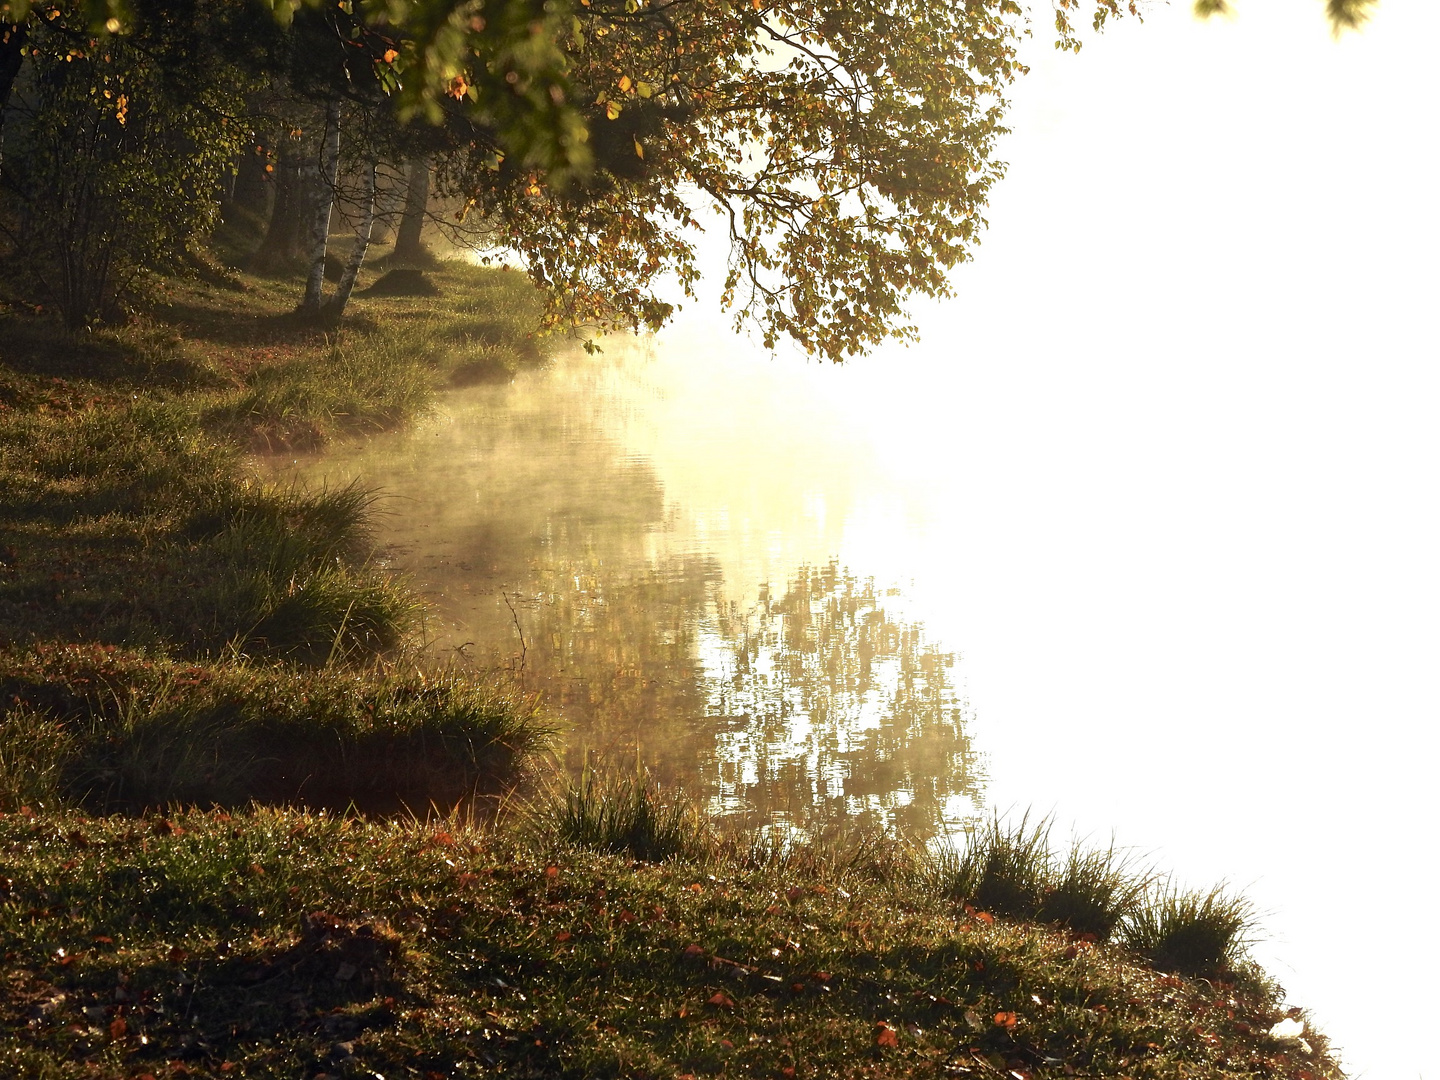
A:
(1092, 892)
(627, 815)
(1197, 933)
(1002, 869)
(247, 645)
(359, 384)
(115, 730)
(289, 944)
(128, 525)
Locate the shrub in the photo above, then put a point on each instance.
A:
(116, 154)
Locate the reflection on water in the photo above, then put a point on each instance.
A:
(839, 710)
(704, 632)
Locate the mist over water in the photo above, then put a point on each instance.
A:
(653, 547)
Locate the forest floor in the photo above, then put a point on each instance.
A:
(221, 763)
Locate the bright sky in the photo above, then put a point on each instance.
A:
(1169, 466)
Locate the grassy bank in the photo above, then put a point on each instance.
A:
(172, 628)
(223, 849)
(285, 944)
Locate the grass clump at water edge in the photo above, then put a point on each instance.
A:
(115, 730)
(624, 815)
(1197, 932)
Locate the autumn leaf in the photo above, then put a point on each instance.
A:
(885, 1035)
(390, 55)
(118, 1028)
(1007, 1020)
(612, 110)
(720, 1000)
(625, 84)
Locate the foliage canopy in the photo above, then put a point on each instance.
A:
(847, 149)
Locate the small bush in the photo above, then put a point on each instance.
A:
(1194, 933)
(629, 815)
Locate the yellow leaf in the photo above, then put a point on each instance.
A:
(390, 55)
(644, 89)
(639, 150)
(625, 84)
(612, 110)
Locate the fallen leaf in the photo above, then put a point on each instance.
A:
(1007, 1020)
(720, 1000)
(885, 1035)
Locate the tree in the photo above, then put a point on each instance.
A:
(119, 146)
(409, 247)
(847, 148)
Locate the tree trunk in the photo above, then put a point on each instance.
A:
(281, 245)
(328, 172)
(408, 247)
(336, 306)
(251, 192)
(12, 55)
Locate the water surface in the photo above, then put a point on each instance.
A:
(661, 565)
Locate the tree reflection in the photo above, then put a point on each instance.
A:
(846, 711)
(555, 555)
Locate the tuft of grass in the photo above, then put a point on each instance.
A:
(625, 814)
(1011, 870)
(1002, 869)
(115, 730)
(839, 851)
(1093, 892)
(1194, 932)
(34, 752)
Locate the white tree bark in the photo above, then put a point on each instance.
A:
(363, 229)
(329, 170)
